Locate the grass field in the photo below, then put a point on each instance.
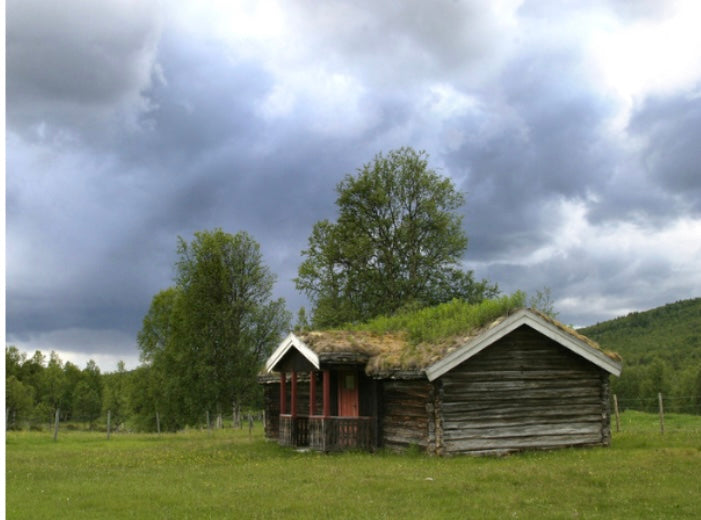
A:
(228, 474)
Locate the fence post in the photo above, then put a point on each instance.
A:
(615, 409)
(250, 424)
(659, 400)
(158, 423)
(109, 420)
(56, 424)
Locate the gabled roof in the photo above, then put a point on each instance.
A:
(552, 329)
(393, 355)
(291, 341)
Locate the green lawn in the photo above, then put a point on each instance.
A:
(229, 474)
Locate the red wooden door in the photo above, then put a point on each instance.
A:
(348, 394)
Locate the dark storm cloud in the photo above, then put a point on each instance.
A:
(73, 62)
(580, 278)
(228, 166)
(671, 155)
(202, 157)
(124, 136)
(550, 147)
(660, 180)
(65, 229)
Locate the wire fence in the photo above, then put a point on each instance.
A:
(56, 422)
(677, 404)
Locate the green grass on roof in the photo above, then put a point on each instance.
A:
(434, 324)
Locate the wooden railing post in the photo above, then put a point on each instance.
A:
(283, 393)
(327, 393)
(293, 407)
(293, 394)
(312, 392)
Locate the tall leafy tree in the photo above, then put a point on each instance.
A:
(157, 385)
(19, 399)
(115, 393)
(72, 376)
(158, 327)
(398, 241)
(206, 338)
(87, 403)
(14, 360)
(53, 382)
(146, 398)
(87, 394)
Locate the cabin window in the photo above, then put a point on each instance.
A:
(349, 382)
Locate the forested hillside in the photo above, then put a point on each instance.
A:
(661, 350)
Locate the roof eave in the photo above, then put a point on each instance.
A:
(523, 317)
(291, 341)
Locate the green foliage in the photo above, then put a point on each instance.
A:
(661, 350)
(432, 324)
(196, 474)
(158, 325)
(72, 375)
(147, 396)
(116, 394)
(53, 382)
(205, 339)
(14, 360)
(671, 332)
(398, 240)
(87, 403)
(36, 388)
(19, 398)
(302, 321)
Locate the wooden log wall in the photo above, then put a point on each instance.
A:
(523, 392)
(405, 419)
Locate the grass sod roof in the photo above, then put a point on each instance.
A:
(390, 353)
(569, 330)
(407, 343)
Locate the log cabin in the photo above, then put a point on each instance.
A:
(523, 382)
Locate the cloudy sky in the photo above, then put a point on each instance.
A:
(573, 128)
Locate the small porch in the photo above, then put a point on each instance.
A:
(325, 405)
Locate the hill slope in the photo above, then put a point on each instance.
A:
(661, 350)
(671, 333)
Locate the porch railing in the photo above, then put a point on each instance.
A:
(293, 430)
(327, 433)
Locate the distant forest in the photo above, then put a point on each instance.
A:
(661, 350)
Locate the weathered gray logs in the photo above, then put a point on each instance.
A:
(525, 391)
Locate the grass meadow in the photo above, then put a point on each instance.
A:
(231, 474)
